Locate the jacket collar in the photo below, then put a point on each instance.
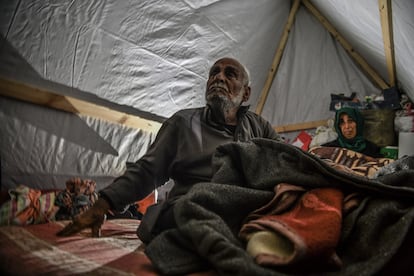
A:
(240, 115)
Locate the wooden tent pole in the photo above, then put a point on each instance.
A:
(277, 57)
(27, 93)
(301, 126)
(387, 36)
(378, 80)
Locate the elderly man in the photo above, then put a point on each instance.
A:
(182, 151)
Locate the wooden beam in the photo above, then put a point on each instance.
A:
(31, 94)
(277, 57)
(377, 79)
(300, 126)
(27, 93)
(387, 36)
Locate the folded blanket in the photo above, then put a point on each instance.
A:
(211, 214)
(78, 196)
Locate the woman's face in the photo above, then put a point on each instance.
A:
(348, 126)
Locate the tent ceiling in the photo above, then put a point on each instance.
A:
(154, 55)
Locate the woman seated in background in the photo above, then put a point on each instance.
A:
(349, 124)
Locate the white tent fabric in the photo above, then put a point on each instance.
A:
(313, 67)
(43, 148)
(154, 56)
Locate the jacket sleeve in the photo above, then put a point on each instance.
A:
(149, 172)
(271, 133)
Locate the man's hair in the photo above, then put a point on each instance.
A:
(246, 75)
(246, 71)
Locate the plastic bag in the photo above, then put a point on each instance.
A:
(324, 135)
(404, 124)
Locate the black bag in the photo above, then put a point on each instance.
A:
(340, 100)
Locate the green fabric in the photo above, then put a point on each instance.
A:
(357, 143)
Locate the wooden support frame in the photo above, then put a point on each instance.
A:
(388, 38)
(300, 126)
(27, 93)
(378, 80)
(31, 94)
(277, 57)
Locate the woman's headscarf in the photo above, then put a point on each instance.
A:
(358, 142)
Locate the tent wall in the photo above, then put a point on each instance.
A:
(43, 148)
(313, 66)
(153, 57)
(359, 22)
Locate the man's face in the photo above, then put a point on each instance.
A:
(227, 84)
(348, 126)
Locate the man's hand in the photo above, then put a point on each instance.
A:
(94, 217)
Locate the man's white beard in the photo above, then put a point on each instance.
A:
(220, 101)
(220, 104)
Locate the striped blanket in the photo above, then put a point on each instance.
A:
(350, 161)
(36, 250)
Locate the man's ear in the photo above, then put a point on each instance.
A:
(246, 94)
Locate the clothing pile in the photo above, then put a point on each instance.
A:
(78, 196)
(28, 206)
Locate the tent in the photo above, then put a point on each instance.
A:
(85, 85)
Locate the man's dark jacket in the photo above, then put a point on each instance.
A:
(183, 151)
